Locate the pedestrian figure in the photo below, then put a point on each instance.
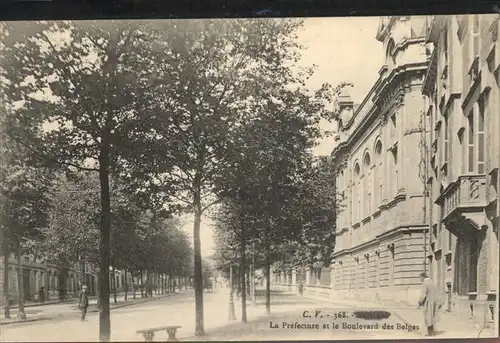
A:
(301, 288)
(430, 301)
(83, 303)
(41, 295)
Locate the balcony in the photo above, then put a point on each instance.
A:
(463, 202)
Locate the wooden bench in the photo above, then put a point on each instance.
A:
(150, 333)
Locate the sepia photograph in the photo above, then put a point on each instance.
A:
(258, 179)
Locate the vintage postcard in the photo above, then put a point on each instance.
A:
(250, 179)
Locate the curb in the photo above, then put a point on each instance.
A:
(48, 303)
(59, 316)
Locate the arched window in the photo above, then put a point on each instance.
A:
(367, 187)
(378, 177)
(341, 191)
(356, 194)
(395, 172)
(367, 160)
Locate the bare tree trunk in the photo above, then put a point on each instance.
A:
(6, 284)
(126, 284)
(134, 285)
(238, 280)
(104, 241)
(20, 284)
(149, 281)
(157, 283)
(198, 274)
(268, 282)
(82, 274)
(243, 267)
(142, 286)
(113, 274)
(248, 284)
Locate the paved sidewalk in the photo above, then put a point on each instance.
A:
(218, 326)
(448, 325)
(54, 310)
(74, 299)
(289, 308)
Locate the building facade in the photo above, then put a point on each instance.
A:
(51, 277)
(418, 171)
(54, 278)
(462, 96)
(381, 227)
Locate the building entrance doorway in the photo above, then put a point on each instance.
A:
(27, 285)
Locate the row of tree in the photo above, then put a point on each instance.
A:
(55, 219)
(177, 114)
(291, 226)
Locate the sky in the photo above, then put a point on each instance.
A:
(344, 49)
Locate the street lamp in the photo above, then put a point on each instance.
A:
(232, 316)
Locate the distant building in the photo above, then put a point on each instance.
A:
(463, 111)
(381, 228)
(52, 277)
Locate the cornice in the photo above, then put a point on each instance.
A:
(380, 238)
(390, 80)
(399, 230)
(407, 41)
(379, 87)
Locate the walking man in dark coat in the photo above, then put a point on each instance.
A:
(83, 303)
(430, 300)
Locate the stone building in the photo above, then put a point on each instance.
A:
(381, 230)
(55, 277)
(462, 95)
(52, 277)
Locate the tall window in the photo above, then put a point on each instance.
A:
(445, 141)
(470, 142)
(394, 125)
(378, 174)
(342, 193)
(367, 187)
(480, 136)
(476, 137)
(445, 45)
(395, 176)
(357, 198)
(475, 36)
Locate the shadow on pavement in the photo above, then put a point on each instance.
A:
(296, 318)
